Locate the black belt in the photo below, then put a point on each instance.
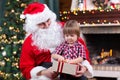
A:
(46, 64)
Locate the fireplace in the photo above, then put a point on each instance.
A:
(103, 42)
(104, 48)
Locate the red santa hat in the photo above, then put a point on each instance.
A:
(37, 13)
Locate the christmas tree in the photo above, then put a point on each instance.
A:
(11, 39)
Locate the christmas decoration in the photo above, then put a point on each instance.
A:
(101, 4)
(11, 39)
(86, 17)
(82, 5)
(105, 4)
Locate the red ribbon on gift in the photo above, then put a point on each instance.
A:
(60, 67)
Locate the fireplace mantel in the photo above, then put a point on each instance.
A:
(107, 71)
(100, 29)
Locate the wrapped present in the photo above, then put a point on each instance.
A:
(63, 67)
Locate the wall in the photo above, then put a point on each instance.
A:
(64, 5)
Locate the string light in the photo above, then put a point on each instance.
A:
(11, 28)
(8, 3)
(5, 23)
(18, 0)
(66, 15)
(12, 10)
(14, 52)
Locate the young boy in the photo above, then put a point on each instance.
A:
(71, 50)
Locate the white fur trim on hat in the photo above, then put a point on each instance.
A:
(41, 17)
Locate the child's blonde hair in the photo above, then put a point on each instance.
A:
(71, 27)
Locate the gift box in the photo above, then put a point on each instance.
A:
(63, 67)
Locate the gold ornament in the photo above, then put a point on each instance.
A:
(2, 63)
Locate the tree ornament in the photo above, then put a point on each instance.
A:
(4, 53)
(22, 16)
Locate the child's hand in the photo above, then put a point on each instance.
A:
(70, 61)
(61, 58)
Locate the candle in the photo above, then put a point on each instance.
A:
(110, 52)
(102, 53)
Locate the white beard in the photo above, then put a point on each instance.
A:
(48, 38)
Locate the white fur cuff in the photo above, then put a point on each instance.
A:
(35, 70)
(89, 73)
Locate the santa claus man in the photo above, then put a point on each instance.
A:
(43, 35)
